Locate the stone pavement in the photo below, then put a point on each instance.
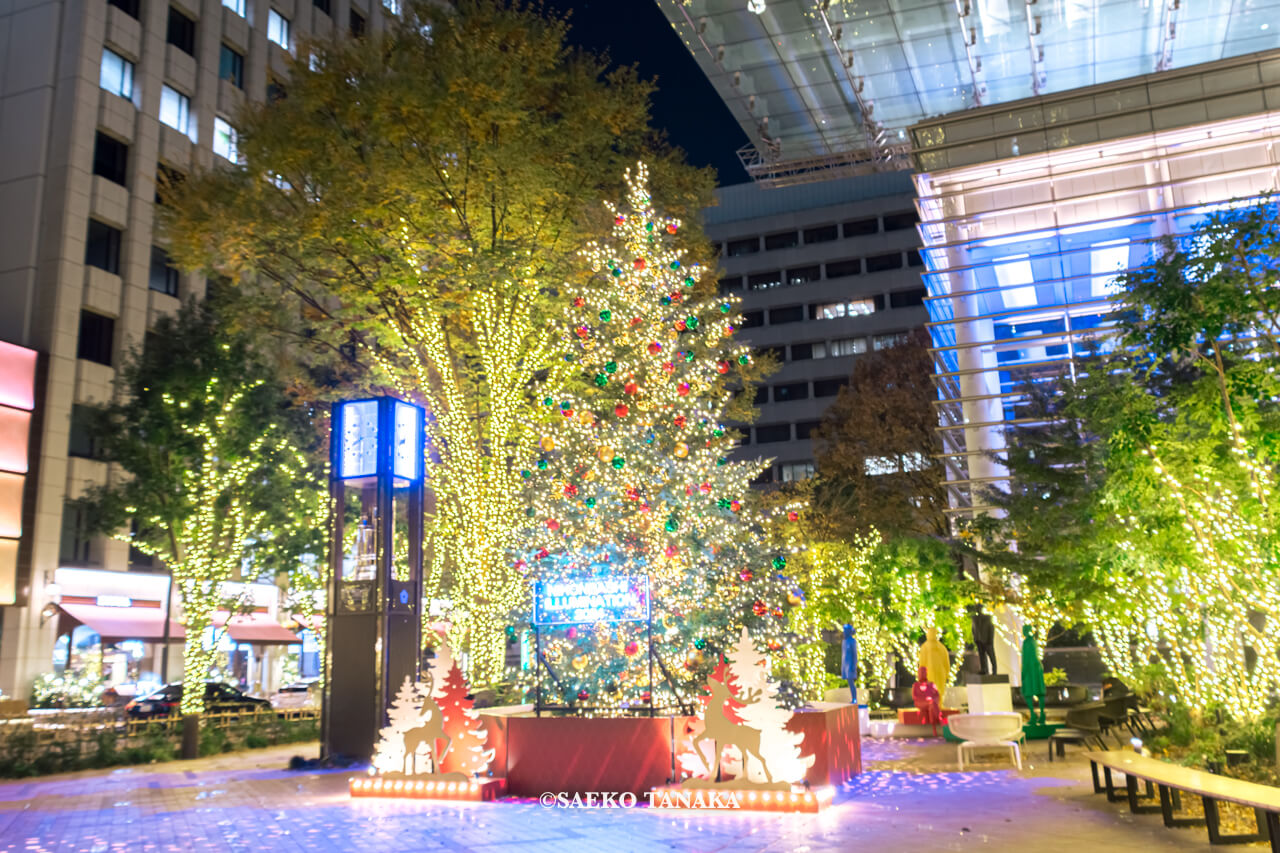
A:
(910, 799)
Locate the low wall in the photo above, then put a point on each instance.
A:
(636, 754)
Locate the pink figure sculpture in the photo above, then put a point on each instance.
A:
(925, 697)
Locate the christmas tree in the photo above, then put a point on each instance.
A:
(405, 714)
(779, 748)
(467, 734)
(634, 475)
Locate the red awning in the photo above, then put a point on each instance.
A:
(119, 623)
(259, 628)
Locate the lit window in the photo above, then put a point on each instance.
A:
(278, 28)
(1016, 281)
(836, 310)
(848, 346)
(236, 6)
(224, 141)
(1105, 261)
(175, 110)
(116, 75)
(892, 339)
(392, 6)
(879, 465)
(789, 472)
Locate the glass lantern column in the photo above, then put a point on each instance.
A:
(374, 613)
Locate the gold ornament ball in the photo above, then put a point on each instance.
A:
(682, 450)
(605, 454)
(547, 443)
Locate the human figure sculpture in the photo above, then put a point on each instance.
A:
(849, 662)
(924, 695)
(984, 639)
(935, 658)
(1032, 675)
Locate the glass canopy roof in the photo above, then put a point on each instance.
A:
(818, 78)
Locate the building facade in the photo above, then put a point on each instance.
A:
(827, 272)
(100, 101)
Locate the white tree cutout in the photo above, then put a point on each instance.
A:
(779, 748)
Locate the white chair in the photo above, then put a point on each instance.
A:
(999, 730)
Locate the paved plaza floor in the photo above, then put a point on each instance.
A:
(911, 798)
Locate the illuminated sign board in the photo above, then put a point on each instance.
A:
(592, 598)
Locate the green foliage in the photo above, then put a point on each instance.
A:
(1054, 677)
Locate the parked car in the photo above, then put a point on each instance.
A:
(217, 697)
(300, 694)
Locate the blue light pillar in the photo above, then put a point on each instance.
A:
(375, 601)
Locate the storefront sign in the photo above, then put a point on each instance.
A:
(576, 601)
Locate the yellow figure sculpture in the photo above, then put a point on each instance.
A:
(935, 658)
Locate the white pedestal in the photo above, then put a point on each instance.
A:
(990, 698)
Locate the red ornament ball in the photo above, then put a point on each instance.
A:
(619, 219)
(552, 524)
(793, 516)
(583, 331)
(759, 608)
(775, 646)
(646, 696)
(631, 388)
(655, 348)
(570, 489)
(636, 321)
(671, 550)
(735, 505)
(543, 553)
(705, 488)
(680, 421)
(722, 366)
(777, 612)
(638, 263)
(680, 325)
(631, 648)
(668, 367)
(746, 575)
(621, 410)
(683, 390)
(671, 228)
(583, 695)
(579, 302)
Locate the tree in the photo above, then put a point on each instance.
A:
(467, 753)
(421, 195)
(634, 476)
(1166, 453)
(877, 449)
(209, 446)
(405, 713)
(779, 748)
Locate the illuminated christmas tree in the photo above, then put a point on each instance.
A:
(467, 735)
(634, 475)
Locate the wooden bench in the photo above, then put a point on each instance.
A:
(1173, 780)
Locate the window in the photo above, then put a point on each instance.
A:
(907, 298)
(1106, 261)
(182, 32)
(752, 319)
(914, 259)
(1016, 279)
(900, 221)
(356, 22)
(83, 444)
(224, 140)
(97, 335)
(790, 314)
(737, 248)
(847, 346)
(110, 158)
(790, 391)
(804, 275)
(764, 280)
(836, 310)
(730, 284)
(74, 548)
(116, 75)
(788, 240)
(236, 6)
(278, 28)
(323, 6)
(840, 269)
(893, 339)
(168, 179)
(880, 263)
(392, 6)
(164, 275)
(804, 429)
(129, 7)
(804, 352)
(275, 90)
(761, 396)
(861, 227)
(789, 472)
(102, 248)
(175, 110)
(773, 433)
(828, 387)
(821, 234)
(877, 466)
(231, 67)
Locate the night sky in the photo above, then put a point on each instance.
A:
(635, 32)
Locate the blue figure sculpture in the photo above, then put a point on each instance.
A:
(849, 661)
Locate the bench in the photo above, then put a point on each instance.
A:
(1173, 780)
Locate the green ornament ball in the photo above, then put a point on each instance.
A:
(688, 356)
(717, 432)
(675, 265)
(542, 464)
(526, 473)
(699, 644)
(617, 271)
(589, 502)
(673, 524)
(722, 461)
(666, 300)
(529, 512)
(611, 367)
(723, 503)
(744, 359)
(688, 282)
(606, 315)
(602, 379)
(691, 322)
(547, 401)
(648, 226)
(566, 405)
(779, 562)
(724, 308)
(618, 463)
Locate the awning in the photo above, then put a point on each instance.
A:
(118, 623)
(260, 628)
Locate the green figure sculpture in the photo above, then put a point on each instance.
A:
(1032, 675)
